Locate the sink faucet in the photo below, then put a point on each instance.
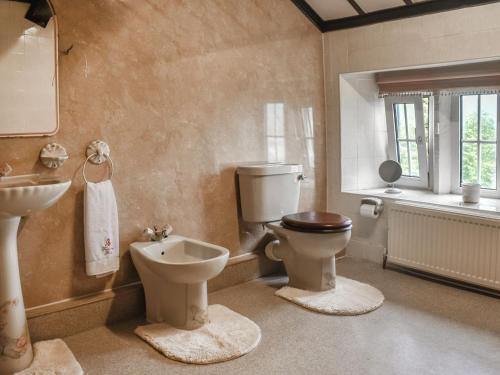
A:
(156, 234)
(5, 169)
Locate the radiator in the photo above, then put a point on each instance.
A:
(456, 244)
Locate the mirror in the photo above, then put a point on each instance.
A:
(28, 68)
(390, 171)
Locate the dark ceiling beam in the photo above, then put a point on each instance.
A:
(356, 6)
(310, 13)
(39, 12)
(391, 14)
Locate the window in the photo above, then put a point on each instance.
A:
(406, 142)
(426, 103)
(466, 146)
(478, 140)
(407, 137)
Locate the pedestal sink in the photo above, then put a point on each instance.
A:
(19, 196)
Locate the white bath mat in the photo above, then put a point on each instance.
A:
(349, 297)
(52, 357)
(226, 336)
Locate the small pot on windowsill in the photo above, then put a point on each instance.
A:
(471, 192)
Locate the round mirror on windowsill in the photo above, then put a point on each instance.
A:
(390, 171)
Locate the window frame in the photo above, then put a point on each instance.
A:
(456, 187)
(422, 181)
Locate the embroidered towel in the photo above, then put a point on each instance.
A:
(101, 229)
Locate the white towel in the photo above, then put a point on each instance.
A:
(101, 229)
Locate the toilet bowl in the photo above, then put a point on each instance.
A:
(306, 242)
(174, 274)
(308, 247)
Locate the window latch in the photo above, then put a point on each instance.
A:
(420, 140)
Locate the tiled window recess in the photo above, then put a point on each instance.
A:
(27, 72)
(363, 132)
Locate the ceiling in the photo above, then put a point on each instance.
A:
(329, 15)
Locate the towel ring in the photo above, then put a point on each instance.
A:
(98, 153)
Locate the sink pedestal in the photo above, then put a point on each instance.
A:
(15, 346)
(19, 196)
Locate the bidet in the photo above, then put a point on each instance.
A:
(19, 196)
(174, 273)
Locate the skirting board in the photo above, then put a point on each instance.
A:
(70, 316)
(443, 280)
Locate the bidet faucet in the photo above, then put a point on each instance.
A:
(156, 234)
(5, 169)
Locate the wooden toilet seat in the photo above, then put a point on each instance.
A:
(317, 222)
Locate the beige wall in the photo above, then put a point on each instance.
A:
(179, 91)
(466, 34)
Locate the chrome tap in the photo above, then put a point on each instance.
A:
(156, 234)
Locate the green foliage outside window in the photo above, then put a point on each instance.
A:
(479, 156)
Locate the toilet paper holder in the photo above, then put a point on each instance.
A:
(377, 202)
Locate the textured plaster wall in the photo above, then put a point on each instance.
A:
(179, 90)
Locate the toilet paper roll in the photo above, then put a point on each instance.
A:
(368, 210)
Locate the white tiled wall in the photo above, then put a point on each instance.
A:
(27, 73)
(363, 132)
(465, 34)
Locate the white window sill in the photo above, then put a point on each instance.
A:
(451, 201)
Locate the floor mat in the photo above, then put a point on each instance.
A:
(349, 297)
(226, 336)
(52, 357)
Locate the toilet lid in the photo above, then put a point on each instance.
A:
(317, 221)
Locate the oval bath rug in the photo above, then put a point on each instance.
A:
(350, 297)
(227, 335)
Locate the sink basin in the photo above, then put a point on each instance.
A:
(19, 196)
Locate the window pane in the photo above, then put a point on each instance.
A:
(488, 117)
(469, 162)
(415, 171)
(425, 104)
(488, 166)
(403, 158)
(410, 117)
(399, 117)
(469, 117)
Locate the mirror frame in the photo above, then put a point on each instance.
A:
(56, 75)
(394, 163)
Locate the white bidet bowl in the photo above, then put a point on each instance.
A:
(174, 273)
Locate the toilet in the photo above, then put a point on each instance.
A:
(306, 242)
